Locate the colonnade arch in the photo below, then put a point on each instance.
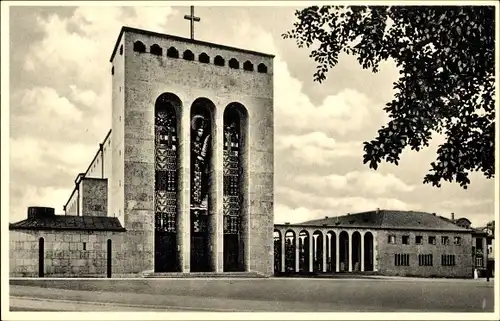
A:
(323, 250)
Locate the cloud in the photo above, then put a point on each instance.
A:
(56, 126)
(355, 182)
(46, 103)
(36, 196)
(313, 205)
(57, 123)
(315, 148)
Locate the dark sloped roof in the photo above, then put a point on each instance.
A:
(69, 222)
(388, 219)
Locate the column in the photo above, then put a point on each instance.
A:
(325, 251)
(337, 252)
(184, 214)
(297, 253)
(363, 252)
(374, 253)
(350, 250)
(218, 209)
(311, 252)
(485, 252)
(283, 242)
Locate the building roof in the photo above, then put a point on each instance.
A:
(69, 222)
(388, 219)
(187, 40)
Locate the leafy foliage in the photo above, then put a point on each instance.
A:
(445, 57)
(491, 226)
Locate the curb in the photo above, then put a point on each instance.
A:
(163, 308)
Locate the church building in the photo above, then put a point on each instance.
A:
(182, 183)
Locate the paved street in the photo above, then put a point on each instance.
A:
(263, 295)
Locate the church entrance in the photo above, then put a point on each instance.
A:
(231, 253)
(235, 117)
(200, 258)
(165, 252)
(201, 206)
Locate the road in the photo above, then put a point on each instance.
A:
(257, 295)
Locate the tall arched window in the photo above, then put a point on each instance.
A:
(167, 109)
(235, 186)
(203, 184)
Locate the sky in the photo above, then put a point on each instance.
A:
(60, 110)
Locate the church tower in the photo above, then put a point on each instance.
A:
(192, 173)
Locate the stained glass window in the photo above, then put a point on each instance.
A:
(165, 170)
(232, 170)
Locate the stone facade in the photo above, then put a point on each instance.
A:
(94, 194)
(462, 266)
(138, 80)
(65, 253)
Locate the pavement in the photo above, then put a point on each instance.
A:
(383, 294)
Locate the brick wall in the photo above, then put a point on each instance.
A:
(94, 197)
(386, 252)
(66, 253)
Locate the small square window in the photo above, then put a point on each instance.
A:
(418, 239)
(84, 246)
(406, 239)
(392, 239)
(445, 240)
(432, 240)
(457, 240)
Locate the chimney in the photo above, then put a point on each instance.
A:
(326, 217)
(287, 223)
(378, 210)
(453, 217)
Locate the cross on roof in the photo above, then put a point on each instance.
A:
(192, 18)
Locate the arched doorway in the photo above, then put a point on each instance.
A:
(202, 185)
(304, 254)
(318, 251)
(277, 251)
(368, 238)
(290, 249)
(109, 259)
(167, 127)
(356, 251)
(331, 261)
(41, 257)
(235, 186)
(343, 251)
